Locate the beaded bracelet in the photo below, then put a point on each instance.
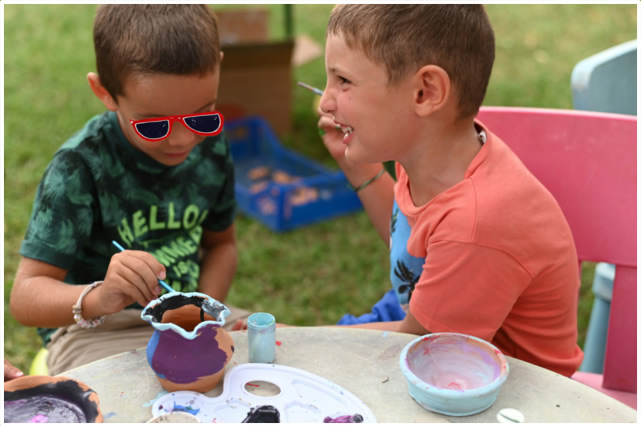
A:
(367, 182)
(77, 309)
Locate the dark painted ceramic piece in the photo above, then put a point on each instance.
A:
(45, 399)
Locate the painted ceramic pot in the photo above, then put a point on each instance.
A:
(46, 399)
(189, 348)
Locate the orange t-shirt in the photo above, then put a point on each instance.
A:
(500, 261)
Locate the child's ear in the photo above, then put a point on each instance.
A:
(100, 92)
(432, 90)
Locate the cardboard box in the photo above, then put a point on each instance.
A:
(242, 25)
(256, 74)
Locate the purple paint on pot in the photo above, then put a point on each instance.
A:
(197, 358)
(189, 348)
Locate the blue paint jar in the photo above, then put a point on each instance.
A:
(261, 333)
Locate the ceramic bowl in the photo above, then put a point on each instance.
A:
(46, 399)
(453, 374)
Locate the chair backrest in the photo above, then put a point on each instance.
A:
(607, 81)
(588, 161)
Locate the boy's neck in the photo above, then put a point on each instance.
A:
(441, 159)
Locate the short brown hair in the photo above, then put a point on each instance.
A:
(404, 37)
(153, 38)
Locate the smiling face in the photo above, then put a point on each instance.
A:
(375, 116)
(160, 95)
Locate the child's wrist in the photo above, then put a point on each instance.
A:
(90, 308)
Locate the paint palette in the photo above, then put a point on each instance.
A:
(299, 396)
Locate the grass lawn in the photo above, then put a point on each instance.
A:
(312, 275)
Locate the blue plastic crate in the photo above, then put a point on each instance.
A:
(279, 187)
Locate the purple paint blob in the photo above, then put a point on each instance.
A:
(356, 418)
(185, 361)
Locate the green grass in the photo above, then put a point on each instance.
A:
(312, 275)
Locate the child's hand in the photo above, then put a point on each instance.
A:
(132, 276)
(239, 325)
(11, 372)
(332, 137)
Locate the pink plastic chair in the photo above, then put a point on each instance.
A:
(588, 161)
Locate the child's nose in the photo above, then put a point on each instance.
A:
(327, 103)
(180, 135)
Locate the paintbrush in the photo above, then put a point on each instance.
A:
(164, 284)
(319, 92)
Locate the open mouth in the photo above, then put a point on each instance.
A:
(347, 134)
(346, 129)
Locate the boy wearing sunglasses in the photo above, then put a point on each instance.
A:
(153, 173)
(477, 244)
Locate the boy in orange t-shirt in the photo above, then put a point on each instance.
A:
(490, 253)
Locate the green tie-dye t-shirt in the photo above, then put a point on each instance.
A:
(100, 188)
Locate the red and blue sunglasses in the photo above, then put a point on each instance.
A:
(157, 129)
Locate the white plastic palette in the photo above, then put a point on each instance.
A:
(301, 397)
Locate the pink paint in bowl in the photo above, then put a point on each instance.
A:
(452, 373)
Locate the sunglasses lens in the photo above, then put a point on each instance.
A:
(153, 129)
(203, 123)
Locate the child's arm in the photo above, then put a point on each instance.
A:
(378, 196)
(408, 325)
(40, 298)
(218, 264)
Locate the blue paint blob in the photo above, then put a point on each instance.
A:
(186, 409)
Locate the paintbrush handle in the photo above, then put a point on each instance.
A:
(319, 92)
(167, 287)
(164, 284)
